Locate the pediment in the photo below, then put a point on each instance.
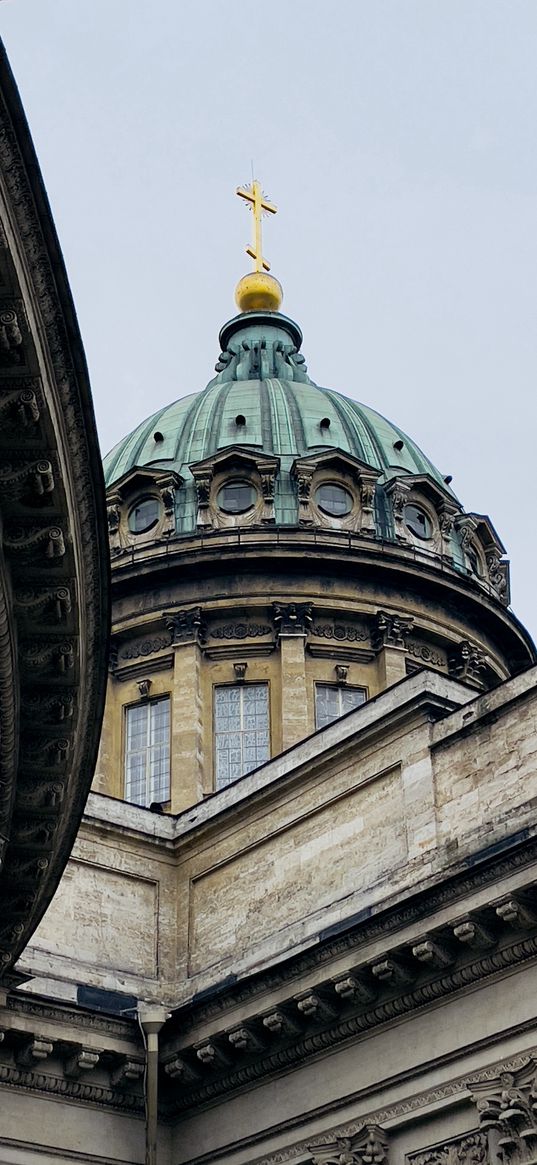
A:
(439, 496)
(140, 477)
(337, 459)
(487, 535)
(234, 456)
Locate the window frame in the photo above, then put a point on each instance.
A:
(135, 505)
(241, 687)
(129, 708)
(237, 481)
(340, 688)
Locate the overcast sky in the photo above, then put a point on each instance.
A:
(398, 139)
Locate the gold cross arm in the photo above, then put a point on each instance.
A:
(259, 204)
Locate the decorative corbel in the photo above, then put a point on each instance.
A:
(398, 491)
(303, 473)
(268, 478)
(498, 573)
(81, 1060)
(166, 488)
(203, 494)
(367, 480)
(113, 511)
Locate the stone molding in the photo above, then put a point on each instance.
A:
(445, 960)
(456, 1088)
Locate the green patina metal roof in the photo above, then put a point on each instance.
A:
(262, 376)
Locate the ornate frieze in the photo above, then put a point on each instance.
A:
(239, 630)
(341, 632)
(140, 648)
(430, 656)
(469, 1149)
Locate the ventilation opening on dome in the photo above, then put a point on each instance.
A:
(399, 445)
(158, 436)
(325, 423)
(240, 421)
(448, 478)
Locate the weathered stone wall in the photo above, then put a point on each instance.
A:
(376, 804)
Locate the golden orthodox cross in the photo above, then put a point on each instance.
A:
(254, 197)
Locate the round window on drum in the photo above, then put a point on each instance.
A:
(144, 515)
(418, 522)
(334, 500)
(236, 497)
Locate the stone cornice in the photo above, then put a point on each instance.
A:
(465, 950)
(400, 566)
(54, 544)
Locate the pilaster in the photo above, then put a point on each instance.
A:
(292, 622)
(187, 757)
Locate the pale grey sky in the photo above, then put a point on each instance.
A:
(398, 139)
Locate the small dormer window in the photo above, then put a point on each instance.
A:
(418, 522)
(334, 500)
(144, 515)
(235, 497)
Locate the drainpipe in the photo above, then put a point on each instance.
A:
(151, 1019)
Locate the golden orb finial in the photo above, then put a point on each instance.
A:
(257, 291)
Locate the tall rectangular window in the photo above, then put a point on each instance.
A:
(332, 701)
(241, 730)
(147, 752)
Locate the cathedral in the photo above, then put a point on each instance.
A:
(298, 923)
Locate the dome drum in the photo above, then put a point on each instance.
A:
(280, 551)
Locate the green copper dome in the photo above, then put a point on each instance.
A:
(263, 399)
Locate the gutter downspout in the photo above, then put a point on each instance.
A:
(151, 1019)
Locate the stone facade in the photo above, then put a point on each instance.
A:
(344, 940)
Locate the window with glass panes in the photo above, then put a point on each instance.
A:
(241, 730)
(147, 752)
(332, 701)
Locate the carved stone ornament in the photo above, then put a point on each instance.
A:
(398, 492)
(138, 481)
(259, 468)
(467, 663)
(368, 1147)
(292, 618)
(186, 626)
(498, 573)
(390, 630)
(470, 1149)
(507, 1108)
